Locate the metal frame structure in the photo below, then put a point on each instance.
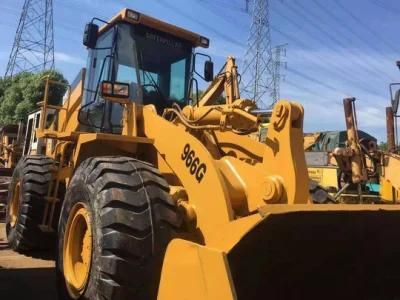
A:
(278, 52)
(33, 48)
(258, 68)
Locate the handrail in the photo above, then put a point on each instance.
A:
(44, 104)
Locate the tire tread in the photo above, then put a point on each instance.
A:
(35, 175)
(137, 219)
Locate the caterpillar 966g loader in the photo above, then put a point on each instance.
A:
(170, 199)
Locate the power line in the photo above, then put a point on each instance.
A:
(238, 25)
(324, 98)
(385, 6)
(364, 25)
(179, 11)
(316, 81)
(343, 46)
(345, 50)
(228, 5)
(90, 12)
(304, 45)
(350, 29)
(327, 65)
(332, 67)
(59, 25)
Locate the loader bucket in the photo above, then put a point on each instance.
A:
(333, 252)
(295, 252)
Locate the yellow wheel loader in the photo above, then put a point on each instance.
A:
(170, 198)
(11, 137)
(11, 142)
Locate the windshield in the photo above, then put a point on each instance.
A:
(155, 64)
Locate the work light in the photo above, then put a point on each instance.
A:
(117, 89)
(133, 15)
(204, 41)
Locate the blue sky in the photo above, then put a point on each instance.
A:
(336, 48)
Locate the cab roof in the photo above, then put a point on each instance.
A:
(134, 17)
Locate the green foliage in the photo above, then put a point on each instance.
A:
(19, 95)
(220, 99)
(383, 146)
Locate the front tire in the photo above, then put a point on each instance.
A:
(129, 218)
(25, 204)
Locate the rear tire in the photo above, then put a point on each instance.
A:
(132, 219)
(25, 204)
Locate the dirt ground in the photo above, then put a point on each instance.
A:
(23, 277)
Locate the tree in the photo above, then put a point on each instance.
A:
(19, 95)
(220, 99)
(383, 146)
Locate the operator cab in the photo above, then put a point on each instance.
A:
(149, 60)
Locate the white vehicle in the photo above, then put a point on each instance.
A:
(33, 145)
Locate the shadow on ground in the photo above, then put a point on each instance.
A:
(37, 283)
(45, 255)
(39, 254)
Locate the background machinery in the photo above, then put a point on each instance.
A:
(153, 197)
(363, 172)
(345, 162)
(21, 140)
(390, 179)
(10, 148)
(11, 141)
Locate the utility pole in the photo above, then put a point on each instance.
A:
(278, 52)
(33, 48)
(258, 69)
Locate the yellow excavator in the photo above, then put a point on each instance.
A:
(153, 195)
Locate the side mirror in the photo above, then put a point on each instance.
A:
(90, 35)
(395, 102)
(208, 71)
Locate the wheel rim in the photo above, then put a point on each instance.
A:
(77, 250)
(14, 205)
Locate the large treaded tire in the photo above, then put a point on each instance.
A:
(34, 175)
(133, 218)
